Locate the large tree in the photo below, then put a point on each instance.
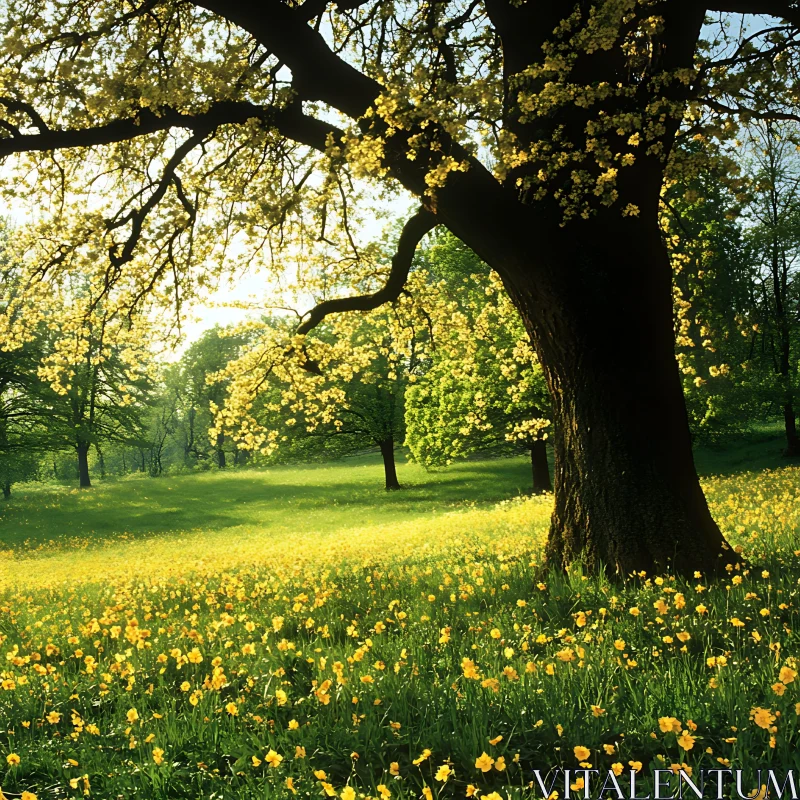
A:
(539, 133)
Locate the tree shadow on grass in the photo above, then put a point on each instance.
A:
(283, 499)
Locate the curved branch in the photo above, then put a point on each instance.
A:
(415, 228)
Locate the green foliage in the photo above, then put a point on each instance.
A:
(483, 390)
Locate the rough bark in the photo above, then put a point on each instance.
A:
(389, 467)
(83, 465)
(627, 495)
(540, 469)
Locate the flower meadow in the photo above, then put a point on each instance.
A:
(432, 658)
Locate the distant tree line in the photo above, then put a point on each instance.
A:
(449, 373)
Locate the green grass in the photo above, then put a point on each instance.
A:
(309, 498)
(227, 619)
(760, 449)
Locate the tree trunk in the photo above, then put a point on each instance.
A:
(790, 425)
(221, 463)
(83, 465)
(101, 461)
(389, 468)
(627, 495)
(6, 489)
(540, 468)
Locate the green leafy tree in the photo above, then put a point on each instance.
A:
(353, 398)
(198, 396)
(773, 238)
(482, 390)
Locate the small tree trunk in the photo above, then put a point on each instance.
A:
(221, 463)
(6, 489)
(101, 462)
(790, 424)
(540, 467)
(83, 466)
(389, 468)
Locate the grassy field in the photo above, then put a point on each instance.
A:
(301, 633)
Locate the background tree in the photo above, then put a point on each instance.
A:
(204, 358)
(773, 237)
(97, 371)
(352, 398)
(23, 417)
(482, 390)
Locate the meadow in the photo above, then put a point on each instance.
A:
(298, 632)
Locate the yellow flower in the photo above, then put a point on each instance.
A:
(290, 785)
(496, 740)
(256, 761)
(420, 758)
(53, 717)
(132, 715)
(348, 793)
(779, 688)
(13, 759)
(273, 759)
(383, 791)
(609, 749)
(636, 766)
(500, 764)
(669, 724)
(232, 709)
(427, 793)
(394, 768)
(495, 633)
(619, 644)
(581, 752)
(597, 711)
(158, 755)
(686, 740)
(443, 773)
(27, 796)
(299, 752)
(484, 762)
(762, 717)
(617, 768)
(787, 675)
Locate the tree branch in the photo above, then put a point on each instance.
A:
(784, 9)
(289, 122)
(415, 228)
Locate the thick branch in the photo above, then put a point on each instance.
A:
(289, 122)
(783, 9)
(415, 228)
